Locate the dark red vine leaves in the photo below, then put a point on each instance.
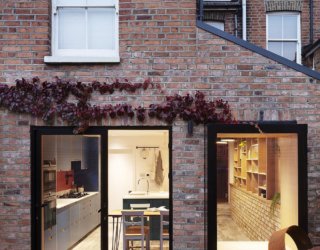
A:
(49, 100)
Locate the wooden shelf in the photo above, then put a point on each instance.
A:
(255, 160)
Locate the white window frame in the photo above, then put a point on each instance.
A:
(298, 40)
(82, 55)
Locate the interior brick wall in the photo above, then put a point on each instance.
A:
(250, 212)
(158, 39)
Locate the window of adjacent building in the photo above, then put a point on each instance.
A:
(84, 31)
(216, 24)
(283, 35)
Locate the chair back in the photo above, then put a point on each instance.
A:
(140, 206)
(133, 218)
(164, 223)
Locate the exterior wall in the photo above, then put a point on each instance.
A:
(256, 23)
(256, 20)
(251, 212)
(158, 39)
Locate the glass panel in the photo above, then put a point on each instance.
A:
(290, 50)
(274, 27)
(101, 28)
(72, 33)
(218, 25)
(275, 47)
(71, 191)
(290, 27)
(257, 188)
(143, 155)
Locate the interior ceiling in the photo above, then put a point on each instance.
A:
(124, 132)
(255, 135)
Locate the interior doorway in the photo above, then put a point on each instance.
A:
(265, 184)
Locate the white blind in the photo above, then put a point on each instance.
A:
(72, 33)
(101, 28)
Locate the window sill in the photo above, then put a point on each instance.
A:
(80, 59)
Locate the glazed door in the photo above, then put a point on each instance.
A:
(68, 189)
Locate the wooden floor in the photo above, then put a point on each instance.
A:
(92, 242)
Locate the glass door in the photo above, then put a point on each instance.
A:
(67, 189)
(262, 189)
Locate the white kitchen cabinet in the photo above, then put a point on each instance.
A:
(63, 229)
(74, 223)
(50, 238)
(76, 220)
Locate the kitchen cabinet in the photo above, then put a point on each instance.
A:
(153, 220)
(74, 223)
(50, 238)
(63, 228)
(76, 220)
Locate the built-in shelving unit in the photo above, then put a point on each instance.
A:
(254, 165)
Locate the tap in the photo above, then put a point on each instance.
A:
(147, 183)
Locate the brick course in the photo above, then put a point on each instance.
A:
(158, 39)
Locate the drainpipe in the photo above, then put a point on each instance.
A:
(244, 19)
(311, 20)
(236, 25)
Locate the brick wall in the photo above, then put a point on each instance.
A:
(158, 39)
(251, 212)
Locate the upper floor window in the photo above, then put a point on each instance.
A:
(283, 35)
(84, 31)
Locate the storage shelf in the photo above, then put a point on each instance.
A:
(256, 160)
(240, 177)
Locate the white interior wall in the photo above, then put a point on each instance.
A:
(288, 170)
(126, 166)
(69, 148)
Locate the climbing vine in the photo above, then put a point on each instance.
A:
(50, 100)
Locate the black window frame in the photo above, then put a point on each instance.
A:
(300, 130)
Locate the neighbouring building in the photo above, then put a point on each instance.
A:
(267, 167)
(287, 28)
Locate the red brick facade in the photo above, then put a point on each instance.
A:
(160, 40)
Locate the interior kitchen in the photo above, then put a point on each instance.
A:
(138, 180)
(71, 196)
(138, 163)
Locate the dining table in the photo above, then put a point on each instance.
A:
(116, 216)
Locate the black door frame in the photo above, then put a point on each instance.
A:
(278, 127)
(35, 147)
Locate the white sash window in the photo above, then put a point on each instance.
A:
(84, 31)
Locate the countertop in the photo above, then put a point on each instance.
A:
(150, 195)
(61, 203)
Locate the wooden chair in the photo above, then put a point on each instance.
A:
(164, 227)
(134, 229)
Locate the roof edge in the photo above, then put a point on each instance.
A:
(259, 50)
